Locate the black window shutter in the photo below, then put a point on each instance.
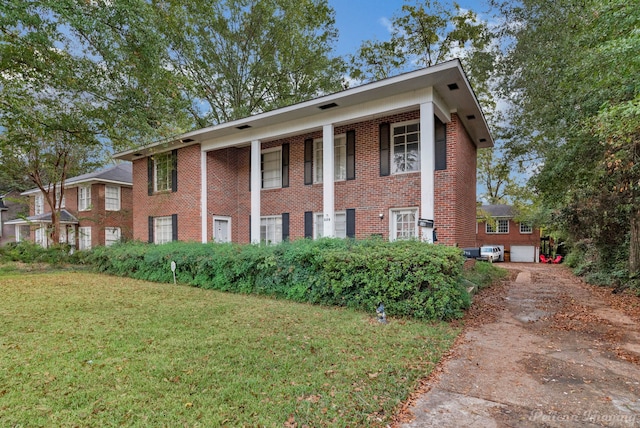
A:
(174, 171)
(440, 144)
(285, 165)
(351, 223)
(351, 155)
(174, 227)
(308, 224)
(385, 149)
(285, 226)
(308, 161)
(150, 230)
(150, 175)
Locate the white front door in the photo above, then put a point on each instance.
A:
(222, 229)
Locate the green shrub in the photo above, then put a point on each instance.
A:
(411, 278)
(29, 252)
(483, 274)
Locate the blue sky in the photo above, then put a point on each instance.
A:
(359, 20)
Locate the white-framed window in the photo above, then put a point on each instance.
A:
(271, 229)
(162, 169)
(84, 198)
(404, 223)
(221, 229)
(112, 198)
(526, 228)
(39, 204)
(339, 159)
(340, 222)
(272, 168)
(112, 235)
(162, 230)
(405, 148)
(84, 238)
(501, 226)
(41, 236)
(62, 202)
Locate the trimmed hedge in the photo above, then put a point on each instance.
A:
(411, 278)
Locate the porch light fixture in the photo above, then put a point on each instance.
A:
(453, 86)
(328, 106)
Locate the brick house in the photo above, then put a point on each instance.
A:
(520, 240)
(96, 209)
(12, 206)
(403, 149)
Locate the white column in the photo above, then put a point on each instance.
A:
(427, 168)
(256, 187)
(328, 186)
(204, 216)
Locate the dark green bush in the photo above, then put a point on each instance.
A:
(411, 278)
(29, 252)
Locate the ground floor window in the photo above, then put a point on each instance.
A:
(404, 224)
(271, 229)
(84, 238)
(111, 235)
(41, 236)
(162, 230)
(221, 229)
(340, 223)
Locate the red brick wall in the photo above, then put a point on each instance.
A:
(455, 189)
(185, 202)
(369, 194)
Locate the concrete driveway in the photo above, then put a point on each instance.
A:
(550, 351)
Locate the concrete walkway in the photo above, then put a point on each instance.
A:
(556, 356)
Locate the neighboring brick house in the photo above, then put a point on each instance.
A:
(520, 240)
(12, 205)
(403, 149)
(96, 209)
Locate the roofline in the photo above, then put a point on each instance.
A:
(190, 138)
(86, 181)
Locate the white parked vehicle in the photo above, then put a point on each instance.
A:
(491, 253)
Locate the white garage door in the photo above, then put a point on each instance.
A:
(523, 253)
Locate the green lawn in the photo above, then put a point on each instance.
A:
(80, 349)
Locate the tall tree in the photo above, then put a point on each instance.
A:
(572, 76)
(241, 57)
(77, 77)
(426, 33)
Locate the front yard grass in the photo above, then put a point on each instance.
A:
(81, 349)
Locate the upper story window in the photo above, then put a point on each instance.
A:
(405, 147)
(501, 226)
(526, 227)
(339, 159)
(272, 168)
(84, 198)
(112, 198)
(162, 172)
(39, 204)
(60, 203)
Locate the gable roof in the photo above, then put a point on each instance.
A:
(450, 85)
(499, 210)
(121, 174)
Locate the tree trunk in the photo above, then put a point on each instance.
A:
(634, 246)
